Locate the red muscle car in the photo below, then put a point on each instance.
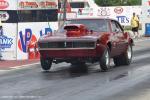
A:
(87, 40)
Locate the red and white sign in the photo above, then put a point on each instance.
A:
(8, 4)
(40, 4)
(4, 4)
(118, 10)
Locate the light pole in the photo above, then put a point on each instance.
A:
(64, 12)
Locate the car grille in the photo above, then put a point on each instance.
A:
(67, 45)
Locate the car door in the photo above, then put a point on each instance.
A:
(113, 38)
(119, 41)
(122, 44)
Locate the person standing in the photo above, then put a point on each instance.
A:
(135, 25)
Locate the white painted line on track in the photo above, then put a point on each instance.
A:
(24, 66)
(17, 67)
(141, 40)
(146, 55)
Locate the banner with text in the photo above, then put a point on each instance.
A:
(28, 35)
(8, 41)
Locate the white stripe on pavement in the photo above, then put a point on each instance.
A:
(24, 66)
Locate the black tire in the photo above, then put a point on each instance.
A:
(46, 64)
(125, 58)
(105, 60)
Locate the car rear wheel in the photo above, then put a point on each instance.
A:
(105, 60)
(46, 63)
(125, 58)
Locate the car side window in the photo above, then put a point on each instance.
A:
(115, 27)
(119, 27)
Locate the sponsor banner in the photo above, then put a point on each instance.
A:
(37, 4)
(28, 35)
(8, 41)
(83, 12)
(121, 13)
(8, 4)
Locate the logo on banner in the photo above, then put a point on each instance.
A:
(85, 11)
(5, 42)
(148, 13)
(25, 39)
(118, 10)
(4, 16)
(28, 38)
(103, 12)
(48, 31)
(3, 4)
(122, 19)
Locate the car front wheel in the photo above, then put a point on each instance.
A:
(46, 64)
(105, 60)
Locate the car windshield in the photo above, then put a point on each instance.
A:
(100, 25)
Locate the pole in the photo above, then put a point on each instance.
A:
(64, 12)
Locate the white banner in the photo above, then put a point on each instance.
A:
(121, 13)
(8, 41)
(29, 33)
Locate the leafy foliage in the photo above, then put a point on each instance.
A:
(118, 2)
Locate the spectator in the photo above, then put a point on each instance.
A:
(135, 25)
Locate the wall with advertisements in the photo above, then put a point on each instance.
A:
(8, 41)
(121, 13)
(18, 33)
(29, 33)
(8, 34)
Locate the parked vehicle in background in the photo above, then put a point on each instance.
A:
(87, 40)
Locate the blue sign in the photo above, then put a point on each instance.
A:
(5, 42)
(25, 39)
(47, 31)
(122, 19)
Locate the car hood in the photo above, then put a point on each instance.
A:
(62, 37)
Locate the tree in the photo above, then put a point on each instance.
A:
(118, 2)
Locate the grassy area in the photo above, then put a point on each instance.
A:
(129, 27)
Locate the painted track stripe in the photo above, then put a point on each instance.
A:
(24, 66)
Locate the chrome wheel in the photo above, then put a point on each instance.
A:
(105, 60)
(129, 52)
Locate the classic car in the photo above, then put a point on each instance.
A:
(81, 41)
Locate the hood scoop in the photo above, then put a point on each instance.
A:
(76, 30)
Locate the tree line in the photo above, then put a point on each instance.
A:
(118, 2)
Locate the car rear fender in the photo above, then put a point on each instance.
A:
(131, 42)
